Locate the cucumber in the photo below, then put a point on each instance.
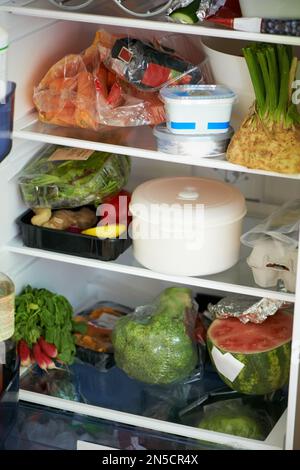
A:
(187, 15)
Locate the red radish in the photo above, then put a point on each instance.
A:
(39, 356)
(47, 348)
(24, 353)
(32, 358)
(49, 362)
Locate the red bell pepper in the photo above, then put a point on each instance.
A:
(115, 209)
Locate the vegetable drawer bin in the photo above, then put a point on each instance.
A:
(6, 120)
(186, 225)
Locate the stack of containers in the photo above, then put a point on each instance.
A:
(198, 120)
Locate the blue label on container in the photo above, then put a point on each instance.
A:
(218, 125)
(182, 93)
(183, 125)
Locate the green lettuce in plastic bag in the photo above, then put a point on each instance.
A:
(68, 183)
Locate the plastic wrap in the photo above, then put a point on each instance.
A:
(58, 180)
(59, 382)
(147, 66)
(93, 346)
(246, 309)
(106, 84)
(156, 344)
(273, 259)
(282, 225)
(237, 418)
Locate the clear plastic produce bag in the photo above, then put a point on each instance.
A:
(156, 344)
(58, 179)
(282, 225)
(237, 418)
(273, 259)
(114, 82)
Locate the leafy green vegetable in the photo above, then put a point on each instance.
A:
(153, 344)
(40, 312)
(73, 183)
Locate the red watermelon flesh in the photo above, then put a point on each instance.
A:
(233, 336)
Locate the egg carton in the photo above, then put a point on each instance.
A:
(272, 261)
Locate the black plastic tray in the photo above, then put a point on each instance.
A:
(70, 243)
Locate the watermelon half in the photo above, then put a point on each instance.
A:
(263, 351)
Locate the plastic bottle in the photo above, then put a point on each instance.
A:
(3, 60)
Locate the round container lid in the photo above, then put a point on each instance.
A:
(218, 202)
(162, 132)
(197, 92)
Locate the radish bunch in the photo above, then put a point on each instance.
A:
(44, 321)
(42, 353)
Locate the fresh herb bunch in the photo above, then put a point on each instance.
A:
(40, 312)
(73, 183)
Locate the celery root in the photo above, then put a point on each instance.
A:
(269, 139)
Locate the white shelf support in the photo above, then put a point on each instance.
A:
(107, 13)
(293, 416)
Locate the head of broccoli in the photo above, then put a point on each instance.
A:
(153, 344)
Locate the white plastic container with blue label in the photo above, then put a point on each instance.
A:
(198, 109)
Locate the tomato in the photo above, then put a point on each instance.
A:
(115, 209)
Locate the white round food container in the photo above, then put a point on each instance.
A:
(230, 69)
(202, 146)
(187, 225)
(198, 109)
(280, 9)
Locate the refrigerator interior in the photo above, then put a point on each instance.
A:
(36, 44)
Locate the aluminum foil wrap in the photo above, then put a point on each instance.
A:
(246, 309)
(206, 7)
(209, 7)
(176, 4)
